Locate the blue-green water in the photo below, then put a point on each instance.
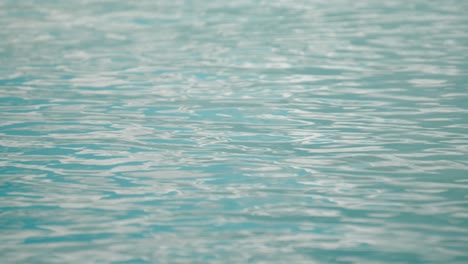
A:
(234, 132)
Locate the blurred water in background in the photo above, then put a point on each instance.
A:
(233, 132)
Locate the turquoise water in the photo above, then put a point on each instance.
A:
(234, 132)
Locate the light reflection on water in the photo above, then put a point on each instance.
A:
(244, 132)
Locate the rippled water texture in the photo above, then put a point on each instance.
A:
(234, 132)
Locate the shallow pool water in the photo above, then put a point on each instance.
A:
(234, 131)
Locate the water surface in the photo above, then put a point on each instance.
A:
(233, 132)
